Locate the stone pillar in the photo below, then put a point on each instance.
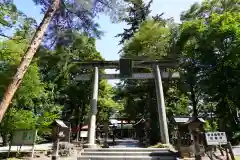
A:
(121, 128)
(114, 134)
(93, 112)
(106, 135)
(55, 147)
(161, 106)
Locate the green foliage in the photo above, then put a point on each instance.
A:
(79, 16)
(32, 87)
(106, 104)
(210, 127)
(60, 67)
(176, 102)
(49, 89)
(29, 102)
(160, 145)
(18, 119)
(8, 9)
(150, 41)
(209, 46)
(208, 7)
(138, 12)
(12, 19)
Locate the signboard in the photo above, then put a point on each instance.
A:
(24, 137)
(216, 138)
(84, 134)
(126, 67)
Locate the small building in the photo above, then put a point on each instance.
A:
(61, 129)
(124, 126)
(188, 134)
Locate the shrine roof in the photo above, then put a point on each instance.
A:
(186, 119)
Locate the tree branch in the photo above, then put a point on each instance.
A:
(64, 5)
(10, 38)
(105, 4)
(5, 36)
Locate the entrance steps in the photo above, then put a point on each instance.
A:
(127, 154)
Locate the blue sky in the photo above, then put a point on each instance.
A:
(108, 44)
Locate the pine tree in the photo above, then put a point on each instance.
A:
(55, 11)
(138, 12)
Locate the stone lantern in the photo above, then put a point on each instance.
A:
(57, 134)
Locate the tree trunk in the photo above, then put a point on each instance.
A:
(194, 102)
(77, 122)
(5, 139)
(26, 60)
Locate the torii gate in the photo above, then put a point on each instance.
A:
(126, 72)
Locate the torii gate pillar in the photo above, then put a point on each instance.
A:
(93, 112)
(161, 106)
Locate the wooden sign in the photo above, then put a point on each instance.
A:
(24, 137)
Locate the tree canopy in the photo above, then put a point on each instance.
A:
(206, 44)
(49, 89)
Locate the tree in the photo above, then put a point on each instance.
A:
(190, 69)
(50, 89)
(138, 12)
(21, 70)
(53, 8)
(12, 19)
(224, 78)
(28, 104)
(152, 41)
(211, 44)
(107, 106)
(207, 7)
(191, 66)
(60, 68)
(8, 9)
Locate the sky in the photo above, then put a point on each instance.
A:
(108, 44)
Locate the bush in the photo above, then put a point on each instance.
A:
(160, 145)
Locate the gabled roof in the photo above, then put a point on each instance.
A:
(192, 119)
(186, 120)
(60, 123)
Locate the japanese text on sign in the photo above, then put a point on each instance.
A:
(216, 138)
